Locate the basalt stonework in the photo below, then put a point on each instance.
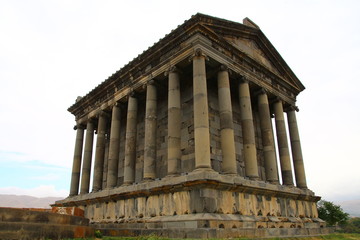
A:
(192, 140)
(30, 224)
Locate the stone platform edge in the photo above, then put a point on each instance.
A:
(195, 179)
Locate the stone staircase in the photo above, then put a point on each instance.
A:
(30, 224)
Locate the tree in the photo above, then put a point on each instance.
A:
(351, 226)
(332, 214)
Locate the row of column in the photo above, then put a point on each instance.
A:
(201, 135)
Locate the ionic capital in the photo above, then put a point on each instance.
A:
(132, 93)
(103, 114)
(91, 120)
(198, 53)
(278, 99)
(151, 82)
(260, 92)
(243, 79)
(172, 69)
(79, 126)
(291, 108)
(223, 67)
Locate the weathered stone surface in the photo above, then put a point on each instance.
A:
(193, 155)
(25, 224)
(74, 211)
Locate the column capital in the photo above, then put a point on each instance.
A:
(103, 114)
(243, 79)
(278, 99)
(151, 82)
(224, 67)
(79, 126)
(172, 69)
(132, 94)
(198, 53)
(116, 104)
(91, 120)
(291, 108)
(261, 91)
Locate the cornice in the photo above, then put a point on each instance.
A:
(226, 27)
(165, 53)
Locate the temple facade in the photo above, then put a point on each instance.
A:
(195, 137)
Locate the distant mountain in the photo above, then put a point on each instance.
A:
(351, 207)
(23, 201)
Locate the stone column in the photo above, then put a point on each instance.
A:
(174, 122)
(201, 113)
(267, 139)
(113, 162)
(226, 123)
(284, 155)
(150, 131)
(296, 150)
(86, 169)
(130, 141)
(247, 125)
(99, 152)
(75, 175)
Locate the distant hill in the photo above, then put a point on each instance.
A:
(352, 207)
(23, 201)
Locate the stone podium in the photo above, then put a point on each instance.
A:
(192, 141)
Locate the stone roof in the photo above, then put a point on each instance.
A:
(216, 28)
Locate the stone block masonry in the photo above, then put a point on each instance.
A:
(185, 144)
(24, 224)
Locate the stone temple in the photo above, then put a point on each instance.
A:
(192, 140)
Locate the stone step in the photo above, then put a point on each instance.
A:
(23, 215)
(217, 233)
(30, 231)
(25, 224)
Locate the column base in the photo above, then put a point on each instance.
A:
(254, 178)
(203, 168)
(275, 182)
(203, 199)
(171, 175)
(147, 180)
(127, 184)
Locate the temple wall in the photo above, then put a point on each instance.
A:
(204, 200)
(208, 156)
(187, 136)
(187, 126)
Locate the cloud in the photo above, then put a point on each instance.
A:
(47, 177)
(40, 191)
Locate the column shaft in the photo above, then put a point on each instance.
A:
(99, 153)
(296, 150)
(283, 144)
(113, 162)
(75, 175)
(226, 124)
(267, 139)
(247, 124)
(201, 114)
(130, 141)
(150, 131)
(174, 123)
(86, 169)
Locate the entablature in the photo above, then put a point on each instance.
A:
(175, 48)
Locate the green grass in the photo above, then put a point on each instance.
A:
(335, 236)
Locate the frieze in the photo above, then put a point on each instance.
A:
(149, 61)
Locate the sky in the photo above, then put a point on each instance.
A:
(53, 51)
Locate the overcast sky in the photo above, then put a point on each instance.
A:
(53, 51)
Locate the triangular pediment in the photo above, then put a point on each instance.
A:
(249, 39)
(252, 49)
